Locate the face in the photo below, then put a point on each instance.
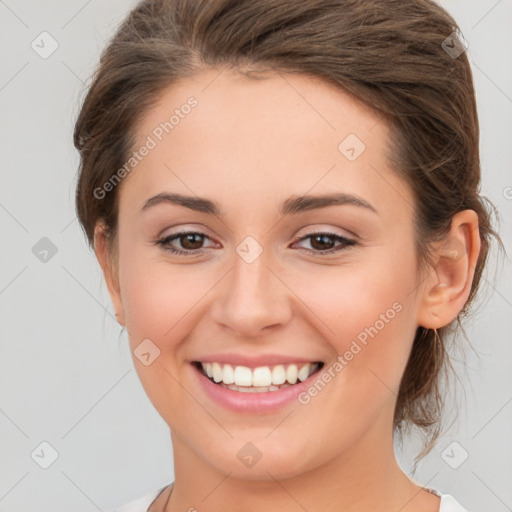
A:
(268, 274)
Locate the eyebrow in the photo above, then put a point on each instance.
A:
(292, 205)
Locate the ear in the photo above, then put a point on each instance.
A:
(448, 285)
(109, 267)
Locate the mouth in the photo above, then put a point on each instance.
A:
(262, 379)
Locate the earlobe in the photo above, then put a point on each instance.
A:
(448, 286)
(109, 268)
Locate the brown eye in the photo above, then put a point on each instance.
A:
(190, 241)
(324, 243)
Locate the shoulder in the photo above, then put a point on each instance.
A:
(142, 503)
(448, 502)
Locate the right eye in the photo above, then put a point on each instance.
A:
(190, 238)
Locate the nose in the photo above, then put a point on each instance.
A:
(252, 298)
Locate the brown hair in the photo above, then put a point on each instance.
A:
(391, 55)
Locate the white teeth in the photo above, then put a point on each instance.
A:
(291, 374)
(243, 376)
(278, 375)
(263, 378)
(228, 375)
(250, 389)
(217, 372)
(303, 373)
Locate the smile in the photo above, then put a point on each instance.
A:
(257, 380)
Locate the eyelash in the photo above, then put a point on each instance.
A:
(165, 241)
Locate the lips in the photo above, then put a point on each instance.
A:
(251, 399)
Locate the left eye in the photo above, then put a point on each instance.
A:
(322, 239)
(192, 241)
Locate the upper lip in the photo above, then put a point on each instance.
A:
(255, 361)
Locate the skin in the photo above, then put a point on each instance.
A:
(249, 145)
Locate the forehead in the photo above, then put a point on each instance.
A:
(223, 133)
(286, 104)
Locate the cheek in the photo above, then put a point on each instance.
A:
(162, 300)
(367, 314)
(157, 297)
(158, 300)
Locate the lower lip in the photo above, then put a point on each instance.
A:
(266, 401)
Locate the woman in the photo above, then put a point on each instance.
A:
(284, 199)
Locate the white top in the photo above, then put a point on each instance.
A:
(448, 503)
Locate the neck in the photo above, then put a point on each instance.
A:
(366, 476)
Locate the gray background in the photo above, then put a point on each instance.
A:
(67, 377)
